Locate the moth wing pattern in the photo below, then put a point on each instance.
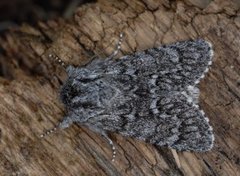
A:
(178, 65)
(150, 95)
(171, 121)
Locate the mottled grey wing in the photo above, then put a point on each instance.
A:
(154, 105)
(175, 66)
(145, 95)
(167, 120)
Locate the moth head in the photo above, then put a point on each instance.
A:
(79, 88)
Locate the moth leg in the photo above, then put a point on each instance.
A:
(118, 47)
(105, 135)
(110, 143)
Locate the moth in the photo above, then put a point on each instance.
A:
(150, 95)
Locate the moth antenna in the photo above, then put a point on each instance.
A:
(48, 132)
(57, 59)
(118, 47)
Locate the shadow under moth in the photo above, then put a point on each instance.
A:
(150, 95)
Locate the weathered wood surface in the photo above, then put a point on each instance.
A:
(29, 85)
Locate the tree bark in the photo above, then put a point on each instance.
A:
(30, 81)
